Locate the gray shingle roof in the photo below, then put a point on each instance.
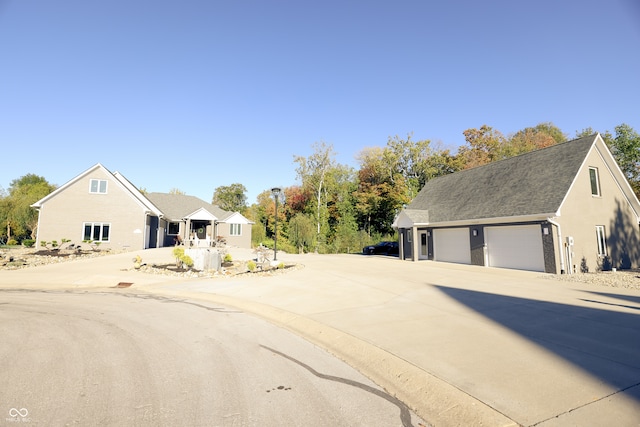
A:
(529, 184)
(177, 206)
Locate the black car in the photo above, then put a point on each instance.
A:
(382, 248)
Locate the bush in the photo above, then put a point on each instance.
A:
(251, 265)
(12, 242)
(228, 258)
(280, 266)
(28, 243)
(186, 259)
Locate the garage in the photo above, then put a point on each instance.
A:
(452, 245)
(517, 246)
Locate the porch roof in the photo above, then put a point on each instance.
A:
(177, 207)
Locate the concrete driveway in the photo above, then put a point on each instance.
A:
(461, 345)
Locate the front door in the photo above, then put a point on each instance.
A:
(200, 229)
(424, 245)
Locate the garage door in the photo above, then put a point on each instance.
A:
(452, 245)
(517, 246)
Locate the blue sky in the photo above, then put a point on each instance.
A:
(198, 94)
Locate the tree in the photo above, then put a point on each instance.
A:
(20, 219)
(533, 138)
(381, 192)
(313, 171)
(408, 159)
(176, 191)
(625, 148)
(484, 146)
(302, 232)
(606, 135)
(231, 198)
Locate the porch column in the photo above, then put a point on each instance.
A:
(415, 242)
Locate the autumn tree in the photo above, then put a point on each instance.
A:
(177, 191)
(484, 146)
(533, 138)
(381, 192)
(231, 198)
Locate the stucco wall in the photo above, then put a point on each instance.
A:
(63, 215)
(582, 212)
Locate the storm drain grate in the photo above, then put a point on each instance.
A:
(123, 285)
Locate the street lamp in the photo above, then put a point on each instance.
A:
(275, 191)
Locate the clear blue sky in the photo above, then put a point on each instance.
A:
(197, 94)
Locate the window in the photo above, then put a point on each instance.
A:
(595, 181)
(174, 228)
(98, 186)
(235, 229)
(602, 241)
(96, 231)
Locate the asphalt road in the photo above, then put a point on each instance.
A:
(117, 357)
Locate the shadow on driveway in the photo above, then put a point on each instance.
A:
(600, 341)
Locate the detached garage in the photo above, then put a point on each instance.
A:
(561, 209)
(515, 246)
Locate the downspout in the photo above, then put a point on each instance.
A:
(560, 245)
(144, 230)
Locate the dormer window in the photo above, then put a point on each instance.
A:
(595, 182)
(98, 186)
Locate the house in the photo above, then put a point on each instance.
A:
(562, 209)
(105, 208)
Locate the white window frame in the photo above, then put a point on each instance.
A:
(101, 237)
(601, 238)
(100, 186)
(235, 229)
(596, 175)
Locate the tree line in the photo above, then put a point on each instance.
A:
(337, 208)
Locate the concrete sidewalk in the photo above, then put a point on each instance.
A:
(461, 345)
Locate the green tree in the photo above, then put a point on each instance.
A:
(625, 147)
(302, 233)
(20, 219)
(313, 172)
(231, 198)
(408, 159)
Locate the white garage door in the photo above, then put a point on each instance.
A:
(516, 246)
(452, 245)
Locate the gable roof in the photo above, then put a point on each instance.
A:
(531, 184)
(118, 179)
(176, 207)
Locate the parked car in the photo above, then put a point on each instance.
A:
(382, 248)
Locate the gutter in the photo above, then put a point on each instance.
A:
(560, 245)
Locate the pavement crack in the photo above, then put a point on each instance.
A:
(622, 390)
(405, 414)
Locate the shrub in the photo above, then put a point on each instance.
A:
(28, 243)
(186, 259)
(280, 266)
(12, 242)
(251, 265)
(228, 258)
